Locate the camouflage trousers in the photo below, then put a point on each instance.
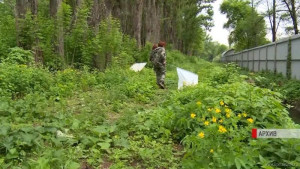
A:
(160, 76)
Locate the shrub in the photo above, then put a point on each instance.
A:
(19, 56)
(20, 80)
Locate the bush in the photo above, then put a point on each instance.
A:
(19, 56)
(19, 80)
(291, 90)
(277, 82)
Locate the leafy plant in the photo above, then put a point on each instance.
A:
(19, 56)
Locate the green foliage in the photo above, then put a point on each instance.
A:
(225, 108)
(127, 53)
(249, 28)
(195, 18)
(19, 80)
(84, 45)
(19, 56)
(289, 88)
(71, 118)
(27, 34)
(148, 143)
(144, 54)
(185, 22)
(212, 50)
(7, 30)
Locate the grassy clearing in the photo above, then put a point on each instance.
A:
(120, 119)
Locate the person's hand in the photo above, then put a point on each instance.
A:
(165, 62)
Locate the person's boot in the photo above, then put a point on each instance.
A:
(161, 85)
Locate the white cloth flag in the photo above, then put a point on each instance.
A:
(138, 66)
(186, 78)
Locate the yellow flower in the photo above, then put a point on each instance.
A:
(227, 110)
(228, 115)
(222, 103)
(209, 109)
(193, 115)
(250, 120)
(201, 135)
(239, 115)
(199, 103)
(206, 123)
(222, 129)
(245, 114)
(214, 119)
(218, 110)
(211, 151)
(220, 121)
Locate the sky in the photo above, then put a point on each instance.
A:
(218, 33)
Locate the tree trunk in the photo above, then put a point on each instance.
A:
(293, 13)
(294, 17)
(151, 21)
(137, 22)
(33, 7)
(55, 12)
(75, 14)
(157, 21)
(38, 53)
(101, 10)
(21, 8)
(20, 12)
(96, 14)
(53, 7)
(108, 7)
(274, 22)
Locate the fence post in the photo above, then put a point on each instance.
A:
(289, 60)
(275, 59)
(267, 59)
(253, 61)
(248, 63)
(258, 60)
(242, 60)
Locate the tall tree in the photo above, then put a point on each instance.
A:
(7, 27)
(248, 27)
(292, 6)
(67, 28)
(21, 9)
(212, 49)
(137, 21)
(27, 26)
(56, 13)
(152, 20)
(272, 16)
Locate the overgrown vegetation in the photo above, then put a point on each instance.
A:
(57, 110)
(289, 88)
(119, 119)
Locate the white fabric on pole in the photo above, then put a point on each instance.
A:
(186, 78)
(138, 66)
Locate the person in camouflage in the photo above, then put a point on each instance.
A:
(158, 58)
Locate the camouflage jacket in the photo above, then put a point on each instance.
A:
(158, 56)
